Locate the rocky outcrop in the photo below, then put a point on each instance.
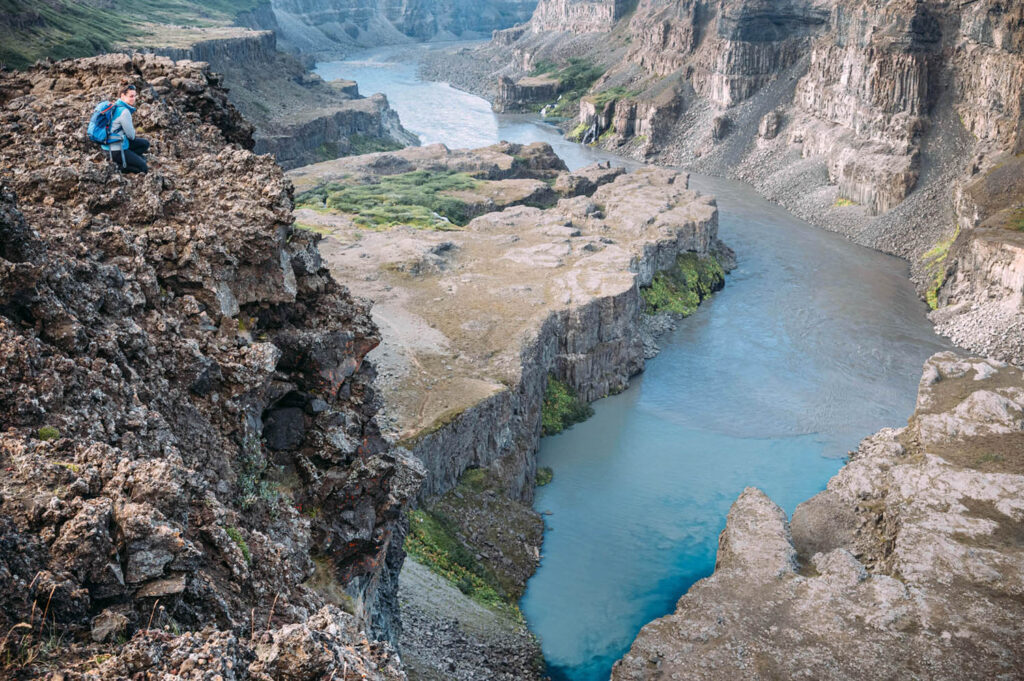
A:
(318, 27)
(978, 283)
(248, 48)
(909, 561)
(189, 437)
(728, 49)
(561, 298)
(362, 124)
(529, 93)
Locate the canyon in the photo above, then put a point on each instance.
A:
(868, 119)
(232, 394)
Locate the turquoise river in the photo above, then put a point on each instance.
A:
(813, 344)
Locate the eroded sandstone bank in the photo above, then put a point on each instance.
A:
(907, 565)
(194, 481)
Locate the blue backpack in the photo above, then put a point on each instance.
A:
(100, 121)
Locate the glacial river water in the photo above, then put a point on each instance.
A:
(813, 344)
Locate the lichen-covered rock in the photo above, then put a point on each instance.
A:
(911, 560)
(151, 327)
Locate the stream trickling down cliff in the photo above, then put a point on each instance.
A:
(814, 344)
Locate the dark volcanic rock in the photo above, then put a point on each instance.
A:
(147, 323)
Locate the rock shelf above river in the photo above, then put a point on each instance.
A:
(475, 318)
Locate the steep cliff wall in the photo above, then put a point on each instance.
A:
(868, 118)
(298, 117)
(190, 448)
(908, 564)
(320, 27)
(579, 16)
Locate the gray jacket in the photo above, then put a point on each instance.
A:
(122, 129)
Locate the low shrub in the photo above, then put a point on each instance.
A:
(236, 536)
(433, 541)
(680, 289)
(562, 408)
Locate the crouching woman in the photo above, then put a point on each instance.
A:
(123, 147)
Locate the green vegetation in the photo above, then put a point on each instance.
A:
(79, 28)
(47, 433)
(988, 457)
(544, 476)
(613, 94)
(843, 202)
(681, 288)
(578, 132)
(433, 540)
(364, 144)
(236, 536)
(576, 77)
(935, 266)
(416, 199)
(562, 408)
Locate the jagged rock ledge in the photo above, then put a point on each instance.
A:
(190, 454)
(909, 564)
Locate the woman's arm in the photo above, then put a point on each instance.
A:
(127, 126)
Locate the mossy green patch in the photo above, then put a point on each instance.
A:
(578, 132)
(613, 94)
(681, 288)
(562, 408)
(364, 144)
(545, 474)
(416, 199)
(433, 541)
(47, 433)
(576, 77)
(843, 202)
(307, 227)
(236, 536)
(935, 266)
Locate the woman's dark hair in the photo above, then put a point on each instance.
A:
(124, 86)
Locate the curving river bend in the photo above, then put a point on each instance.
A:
(813, 344)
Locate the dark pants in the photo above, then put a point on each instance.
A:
(130, 160)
